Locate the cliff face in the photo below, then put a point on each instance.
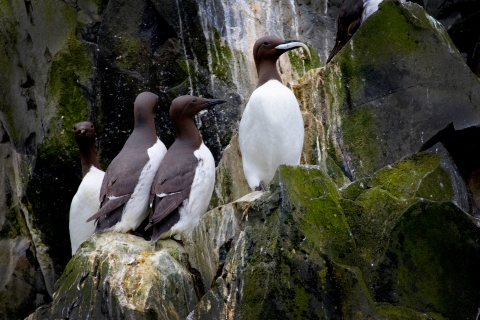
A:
(394, 246)
(382, 226)
(63, 62)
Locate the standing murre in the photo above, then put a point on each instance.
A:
(184, 183)
(85, 201)
(353, 14)
(128, 179)
(271, 129)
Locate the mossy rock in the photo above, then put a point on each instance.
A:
(431, 262)
(291, 255)
(415, 248)
(122, 276)
(382, 98)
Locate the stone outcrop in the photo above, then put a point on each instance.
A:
(376, 249)
(385, 97)
(391, 246)
(122, 276)
(68, 61)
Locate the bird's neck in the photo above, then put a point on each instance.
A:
(143, 135)
(187, 132)
(267, 70)
(88, 157)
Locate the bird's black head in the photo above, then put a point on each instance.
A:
(84, 131)
(182, 112)
(144, 107)
(190, 106)
(272, 47)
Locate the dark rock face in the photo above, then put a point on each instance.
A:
(383, 247)
(388, 96)
(382, 99)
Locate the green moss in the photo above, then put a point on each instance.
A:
(130, 48)
(335, 172)
(436, 186)
(221, 55)
(403, 178)
(360, 136)
(401, 39)
(301, 62)
(391, 312)
(354, 189)
(57, 171)
(436, 249)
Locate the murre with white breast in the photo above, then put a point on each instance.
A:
(126, 187)
(85, 202)
(183, 185)
(271, 129)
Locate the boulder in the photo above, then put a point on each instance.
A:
(305, 250)
(122, 276)
(392, 88)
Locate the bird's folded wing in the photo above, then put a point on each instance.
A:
(108, 205)
(172, 185)
(120, 180)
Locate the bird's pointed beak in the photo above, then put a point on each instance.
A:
(292, 44)
(213, 102)
(82, 131)
(339, 45)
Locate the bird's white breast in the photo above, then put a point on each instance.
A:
(271, 132)
(84, 205)
(136, 209)
(192, 208)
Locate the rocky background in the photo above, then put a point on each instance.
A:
(382, 226)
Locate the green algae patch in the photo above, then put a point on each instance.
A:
(416, 249)
(436, 186)
(221, 55)
(403, 178)
(377, 203)
(390, 312)
(301, 62)
(354, 189)
(401, 39)
(360, 136)
(289, 231)
(435, 253)
(58, 165)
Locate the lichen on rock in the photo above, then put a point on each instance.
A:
(122, 276)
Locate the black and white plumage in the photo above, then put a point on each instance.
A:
(183, 185)
(85, 201)
(353, 14)
(271, 130)
(126, 187)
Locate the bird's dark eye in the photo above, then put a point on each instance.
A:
(266, 43)
(74, 128)
(91, 126)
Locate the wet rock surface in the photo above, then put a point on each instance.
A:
(305, 249)
(383, 98)
(122, 276)
(68, 61)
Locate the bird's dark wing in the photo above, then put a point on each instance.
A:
(348, 22)
(118, 185)
(172, 183)
(165, 225)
